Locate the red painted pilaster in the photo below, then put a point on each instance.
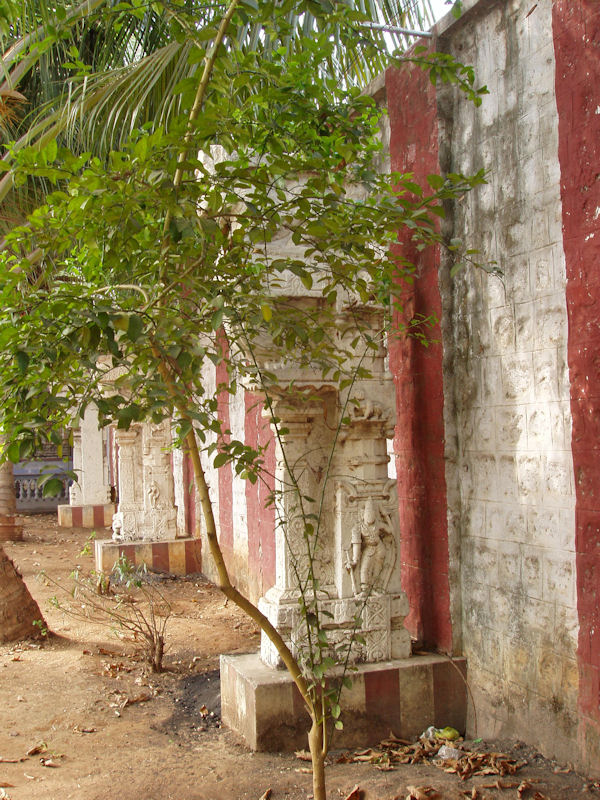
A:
(417, 370)
(576, 31)
(225, 473)
(261, 517)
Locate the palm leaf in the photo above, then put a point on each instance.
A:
(137, 61)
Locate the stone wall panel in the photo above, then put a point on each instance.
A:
(512, 501)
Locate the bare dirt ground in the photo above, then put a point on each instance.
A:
(108, 728)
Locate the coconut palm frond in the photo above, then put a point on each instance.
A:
(112, 70)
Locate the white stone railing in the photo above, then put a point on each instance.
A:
(29, 495)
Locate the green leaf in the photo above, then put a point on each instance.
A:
(121, 322)
(216, 321)
(22, 361)
(135, 327)
(435, 181)
(52, 487)
(307, 280)
(221, 459)
(267, 312)
(13, 452)
(51, 150)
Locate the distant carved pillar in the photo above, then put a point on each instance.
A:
(75, 492)
(130, 510)
(146, 509)
(94, 466)
(90, 463)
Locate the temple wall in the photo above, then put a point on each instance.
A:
(519, 377)
(506, 338)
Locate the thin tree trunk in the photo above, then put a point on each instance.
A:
(10, 530)
(18, 609)
(315, 743)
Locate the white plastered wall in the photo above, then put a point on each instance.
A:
(507, 411)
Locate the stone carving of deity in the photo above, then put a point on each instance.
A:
(371, 552)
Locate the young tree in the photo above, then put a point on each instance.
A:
(141, 268)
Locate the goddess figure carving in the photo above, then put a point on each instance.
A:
(372, 549)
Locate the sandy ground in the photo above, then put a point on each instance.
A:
(108, 728)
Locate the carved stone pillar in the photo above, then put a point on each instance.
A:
(301, 464)
(355, 549)
(160, 514)
(146, 509)
(75, 490)
(130, 510)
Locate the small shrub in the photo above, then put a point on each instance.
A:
(128, 601)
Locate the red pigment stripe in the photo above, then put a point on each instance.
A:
(382, 696)
(128, 550)
(225, 473)
(160, 556)
(576, 31)
(417, 372)
(193, 556)
(99, 517)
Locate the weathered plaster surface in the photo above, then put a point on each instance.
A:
(508, 423)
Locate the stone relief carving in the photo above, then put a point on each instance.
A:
(153, 493)
(372, 555)
(146, 496)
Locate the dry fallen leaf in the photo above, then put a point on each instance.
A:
(355, 794)
(77, 729)
(203, 711)
(422, 793)
(49, 762)
(7, 785)
(38, 748)
(563, 770)
(303, 755)
(266, 795)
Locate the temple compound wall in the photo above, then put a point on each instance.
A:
(496, 439)
(496, 534)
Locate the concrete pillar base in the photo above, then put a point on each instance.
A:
(405, 696)
(175, 556)
(10, 529)
(86, 516)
